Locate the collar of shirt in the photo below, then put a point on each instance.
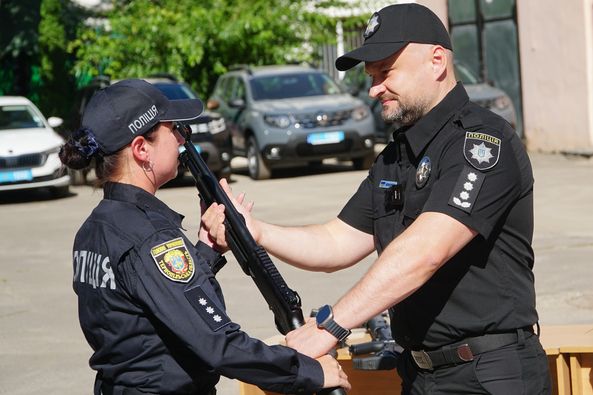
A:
(423, 131)
(142, 199)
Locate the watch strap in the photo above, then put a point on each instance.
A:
(336, 330)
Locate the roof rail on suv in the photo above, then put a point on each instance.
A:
(167, 76)
(245, 67)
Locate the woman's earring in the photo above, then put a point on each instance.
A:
(147, 166)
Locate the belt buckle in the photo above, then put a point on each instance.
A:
(464, 352)
(422, 359)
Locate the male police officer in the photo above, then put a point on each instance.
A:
(448, 208)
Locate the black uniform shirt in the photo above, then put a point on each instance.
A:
(153, 312)
(466, 162)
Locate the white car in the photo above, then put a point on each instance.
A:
(29, 148)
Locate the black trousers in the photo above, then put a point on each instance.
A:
(517, 369)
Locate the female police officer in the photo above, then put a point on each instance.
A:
(149, 304)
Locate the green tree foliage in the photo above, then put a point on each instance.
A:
(18, 44)
(198, 41)
(34, 61)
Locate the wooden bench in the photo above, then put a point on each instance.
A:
(569, 349)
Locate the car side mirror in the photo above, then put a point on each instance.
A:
(237, 103)
(54, 122)
(212, 104)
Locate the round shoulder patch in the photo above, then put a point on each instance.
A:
(481, 150)
(174, 260)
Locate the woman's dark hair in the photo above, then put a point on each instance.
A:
(81, 151)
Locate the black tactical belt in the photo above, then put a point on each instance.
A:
(107, 389)
(465, 350)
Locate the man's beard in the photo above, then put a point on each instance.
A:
(406, 114)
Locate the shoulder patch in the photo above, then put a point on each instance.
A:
(466, 190)
(481, 150)
(174, 260)
(214, 317)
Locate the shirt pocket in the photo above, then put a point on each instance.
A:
(385, 218)
(414, 205)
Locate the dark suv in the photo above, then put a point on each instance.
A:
(286, 116)
(209, 131)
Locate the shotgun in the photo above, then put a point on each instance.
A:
(253, 258)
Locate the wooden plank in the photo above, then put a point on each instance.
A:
(568, 338)
(580, 373)
(561, 376)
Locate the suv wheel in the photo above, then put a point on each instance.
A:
(365, 162)
(258, 169)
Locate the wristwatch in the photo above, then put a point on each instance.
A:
(325, 320)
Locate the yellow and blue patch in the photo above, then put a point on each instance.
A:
(174, 260)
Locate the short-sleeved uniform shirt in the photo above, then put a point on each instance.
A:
(468, 163)
(153, 312)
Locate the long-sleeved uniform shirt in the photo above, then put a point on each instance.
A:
(153, 312)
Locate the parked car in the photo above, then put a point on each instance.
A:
(29, 148)
(358, 83)
(209, 132)
(287, 116)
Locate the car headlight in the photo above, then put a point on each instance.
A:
(217, 125)
(360, 113)
(52, 151)
(278, 120)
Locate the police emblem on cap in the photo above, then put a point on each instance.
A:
(373, 25)
(481, 150)
(174, 260)
(423, 172)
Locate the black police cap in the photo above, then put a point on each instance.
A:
(130, 108)
(391, 29)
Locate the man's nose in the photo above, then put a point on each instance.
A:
(376, 90)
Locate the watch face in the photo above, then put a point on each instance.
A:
(323, 314)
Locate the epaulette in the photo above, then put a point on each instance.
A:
(469, 120)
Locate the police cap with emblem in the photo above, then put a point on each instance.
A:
(391, 29)
(130, 108)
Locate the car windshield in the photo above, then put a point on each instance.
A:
(286, 86)
(465, 75)
(19, 117)
(175, 91)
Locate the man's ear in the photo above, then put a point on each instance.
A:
(140, 147)
(440, 62)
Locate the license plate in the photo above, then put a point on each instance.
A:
(325, 138)
(15, 176)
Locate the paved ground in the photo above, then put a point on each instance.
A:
(42, 350)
